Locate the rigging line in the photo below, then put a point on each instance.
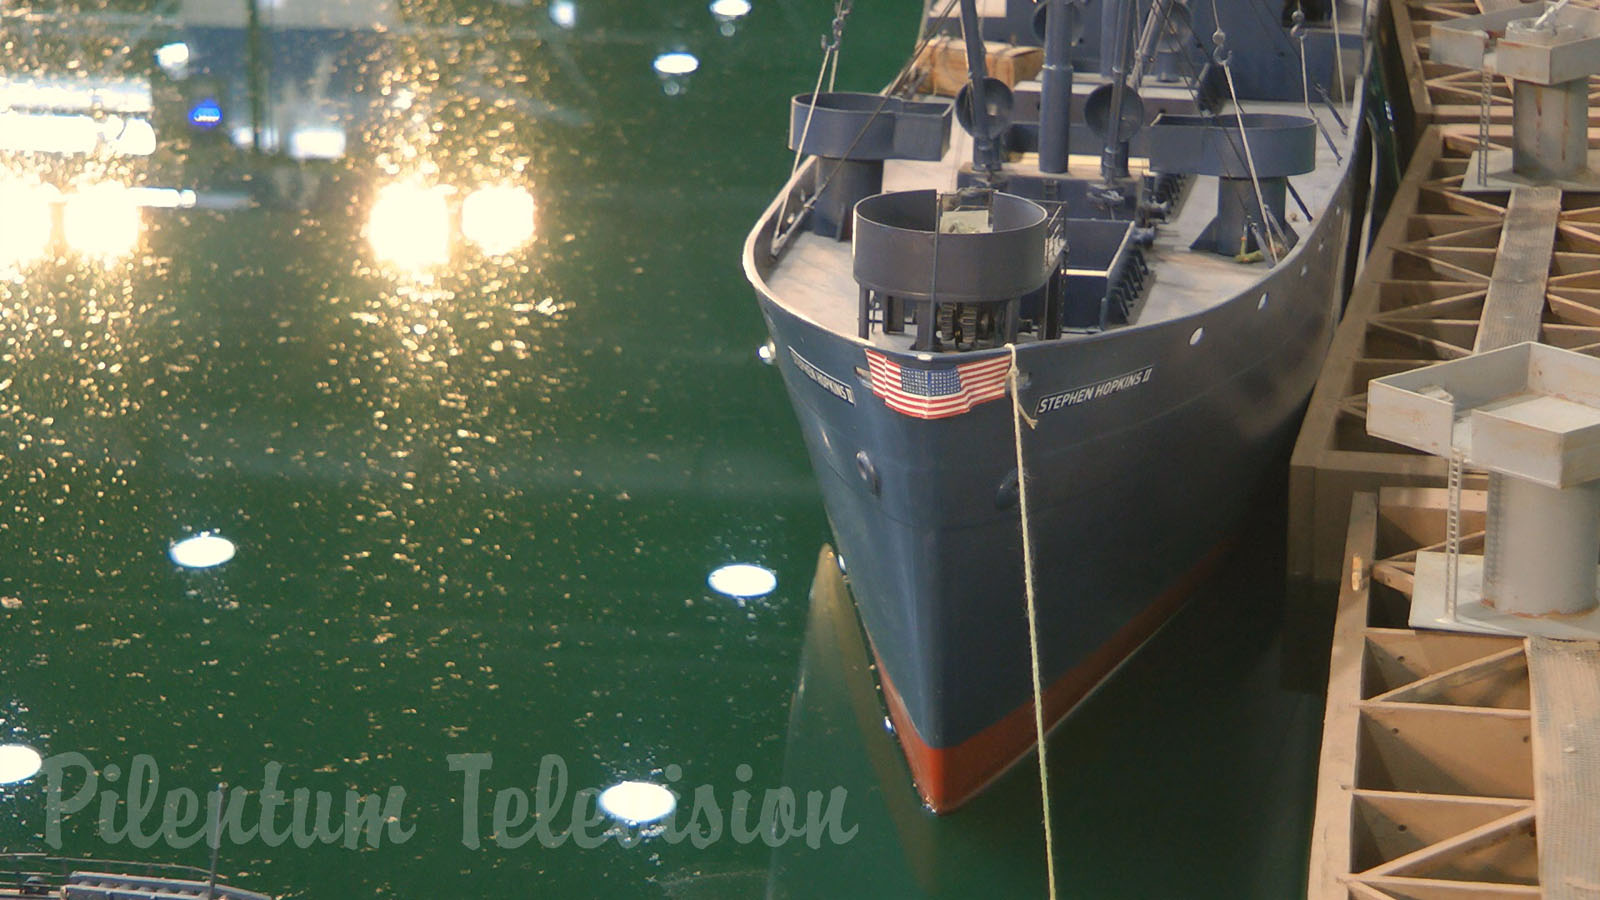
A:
(830, 50)
(781, 237)
(1273, 28)
(1298, 32)
(841, 9)
(1250, 163)
(1147, 49)
(799, 149)
(1338, 53)
(1018, 417)
(1243, 151)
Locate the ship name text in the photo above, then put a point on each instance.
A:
(829, 383)
(1087, 392)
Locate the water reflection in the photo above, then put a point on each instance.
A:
(476, 507)
(18, 762)
(673, 68)
(638, 802)
(743, 581)
(409, 226)
(202, 551)
(564, 13)
(727, 14)
(1192, 747)
(499, 219)
(25, 227)
(173, 58)
(102, 222)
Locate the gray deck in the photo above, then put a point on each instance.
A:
(813, 276)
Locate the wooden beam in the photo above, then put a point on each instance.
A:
(1565, 678)
(1439, 749)
(1330, 832)
(1515, 304)
(1401, 887)
(1421, 861)
(1499, 680)
(1392, 824)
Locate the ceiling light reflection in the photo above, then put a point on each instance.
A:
(676, 63)
(638, 802)
(498, 219)
(201, 551)
(564, 13)
(102, 221)
(66, 134)
(173, 58)
(163, 198)
(25, 227)
(317, 142)
(131, 137)
(743, 580)
(18, 762)
(728, 13)
(674, 69)
(410, 226)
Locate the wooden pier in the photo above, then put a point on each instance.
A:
(1420, 297)
(1453, 765)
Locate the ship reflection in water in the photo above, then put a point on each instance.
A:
(1189, 773)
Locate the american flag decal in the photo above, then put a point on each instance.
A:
(937, 393)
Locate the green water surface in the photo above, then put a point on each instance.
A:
(475, 507)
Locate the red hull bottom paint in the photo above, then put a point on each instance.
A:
(948, 777)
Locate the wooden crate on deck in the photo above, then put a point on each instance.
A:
(943, 64)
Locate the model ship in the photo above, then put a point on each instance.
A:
(1155, 230)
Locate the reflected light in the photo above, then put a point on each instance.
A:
(48, 133)
(410, 226)
(18, 762)
(134, 137)
(163, 198)
(728, 13)
(173, 58)
(101, 221)
(637, 802)
(68, 134)
(743, 580)
(205, 113)
(25, 227)
(202, 551)
(498, 219)
(674, 69)
(677, 63)
(767, 353)
(75, 94)
(564, 13)
(324, 142)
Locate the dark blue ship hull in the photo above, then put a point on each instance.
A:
(1149, 440)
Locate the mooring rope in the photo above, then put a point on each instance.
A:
(1018, 417)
